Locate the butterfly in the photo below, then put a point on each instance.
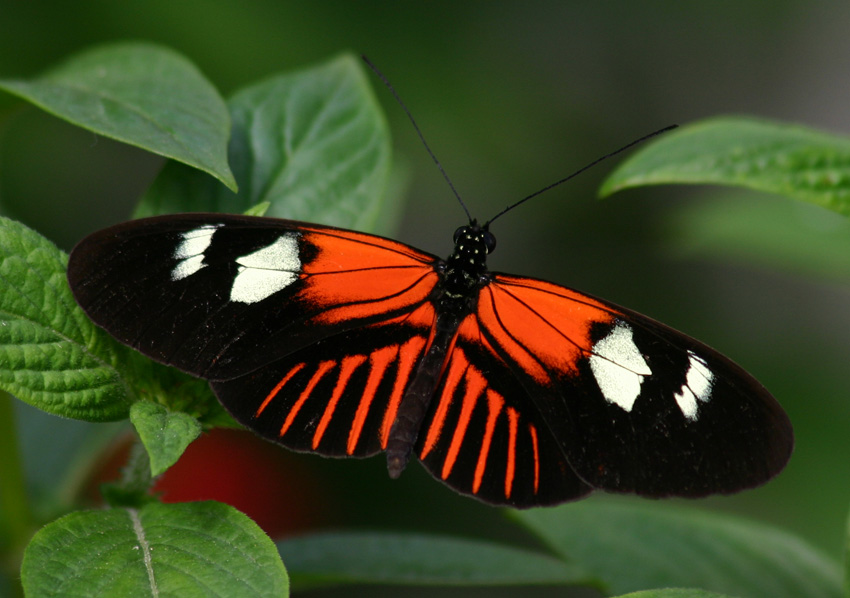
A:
(509, 389)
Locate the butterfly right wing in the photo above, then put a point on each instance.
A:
(339, 396)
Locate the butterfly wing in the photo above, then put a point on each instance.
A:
(633, 405)
(338, 397)
(484, 435)
(219, 296)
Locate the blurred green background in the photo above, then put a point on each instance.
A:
(513, 96)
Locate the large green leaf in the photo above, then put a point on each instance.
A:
(313, 143)
(779, 158)
(51, 355)
(141, 94)
(636, 546)
(412, 559)
(201, 549)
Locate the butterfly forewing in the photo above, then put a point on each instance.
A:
(694, 424)
(219, 296)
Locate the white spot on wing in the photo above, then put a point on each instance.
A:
(619, 367)
(266, 271)
(190, 250)
(697, 386)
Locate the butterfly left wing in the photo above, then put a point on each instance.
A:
(221, 295)
(633, 405)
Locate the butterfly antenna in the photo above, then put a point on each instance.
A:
(418, 132)
(579, 171)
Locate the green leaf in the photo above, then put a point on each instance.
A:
(142, 94)
(198, 549)
(783, 235)
(635, 546)
(165, 434)
(258, 210)
(790, 160)
(411, 559)
(50, 353)
(312, 143)
(674, 593)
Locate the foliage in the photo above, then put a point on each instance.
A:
(314, 145)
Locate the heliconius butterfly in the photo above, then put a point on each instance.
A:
(510, 389)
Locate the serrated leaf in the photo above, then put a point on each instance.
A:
(312, 143)
(142, 94)
(674, 593)
(165, 434)
(790, 160)
(414, 559)
(50, 353)
(634, 547)
(203, 549)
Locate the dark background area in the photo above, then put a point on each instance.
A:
(513, 96)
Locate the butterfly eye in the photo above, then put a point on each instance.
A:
(489, 241)
(459, 232)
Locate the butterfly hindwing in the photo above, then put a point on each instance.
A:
(338, 397)
(485, 437)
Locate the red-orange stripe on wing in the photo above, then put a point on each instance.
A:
(408, 356)
(510, 470)
(277, 388)
(475, 384)
(533, 431)
(375, 375)
(456, 369)
(347, 366)
(495, 402)
(323, 368)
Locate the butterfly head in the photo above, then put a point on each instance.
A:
(475, 237)
(467, 265)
